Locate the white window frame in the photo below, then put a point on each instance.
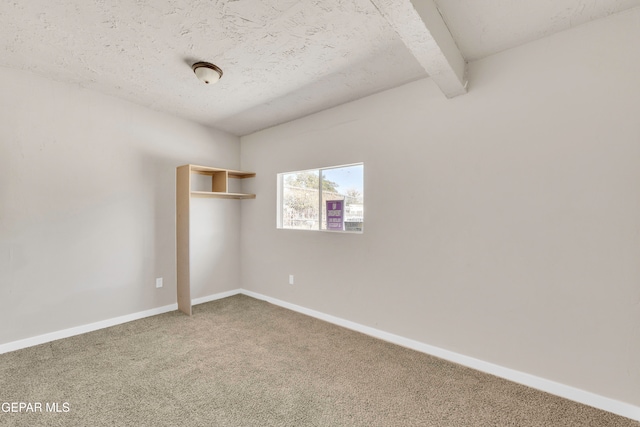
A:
(280, 204)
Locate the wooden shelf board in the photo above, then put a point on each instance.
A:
(205, 170)
(223, 195)
(240, 174)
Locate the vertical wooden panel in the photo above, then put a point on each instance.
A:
(183, 197)
(219, 182)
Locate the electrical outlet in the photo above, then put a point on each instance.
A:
(291, 279)
(159, 282)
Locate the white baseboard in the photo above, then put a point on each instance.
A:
(78, 330)
(577, 395)
(552, 387)
(220, 295)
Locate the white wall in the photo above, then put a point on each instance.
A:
(503, 224)
(87, 207)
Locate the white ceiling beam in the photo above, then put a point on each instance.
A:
(422, 29)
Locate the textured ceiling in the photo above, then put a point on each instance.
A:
(282, 59)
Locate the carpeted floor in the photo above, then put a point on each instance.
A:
(244, 362)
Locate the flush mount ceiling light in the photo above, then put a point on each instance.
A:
(207, 72)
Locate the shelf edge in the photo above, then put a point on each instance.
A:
(223, 195)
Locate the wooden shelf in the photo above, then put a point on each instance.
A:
(221, 195)
(184, 193)
(206, 170)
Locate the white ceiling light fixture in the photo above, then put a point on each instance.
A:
(207, 72)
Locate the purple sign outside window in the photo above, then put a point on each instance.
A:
(335, 215)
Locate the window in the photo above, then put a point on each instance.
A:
(302, 205)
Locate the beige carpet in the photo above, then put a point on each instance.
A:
(244, 362)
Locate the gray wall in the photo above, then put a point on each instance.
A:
(503, 224)
(87, 207)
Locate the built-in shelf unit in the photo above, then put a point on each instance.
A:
(184, 193)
